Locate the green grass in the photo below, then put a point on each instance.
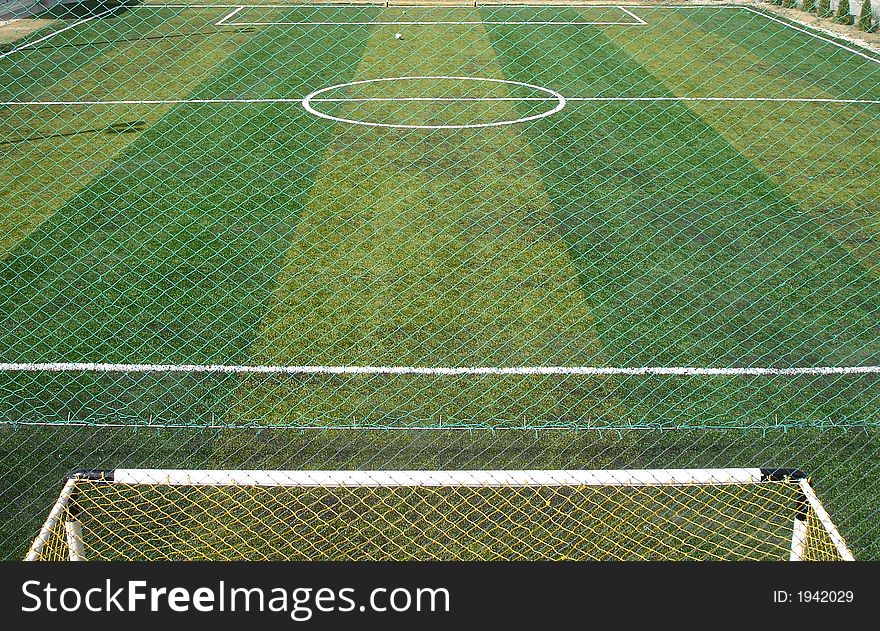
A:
(613, 233)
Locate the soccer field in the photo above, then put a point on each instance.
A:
(531, 236)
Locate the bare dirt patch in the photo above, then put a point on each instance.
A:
(13, 30)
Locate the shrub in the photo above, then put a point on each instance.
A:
(843, 16)
(866, 17)
(823, 10)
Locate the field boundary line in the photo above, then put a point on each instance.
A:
(440, 371)
(58, 32)
(814, 34)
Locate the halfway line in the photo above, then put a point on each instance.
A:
(445, 371)
(574, 99)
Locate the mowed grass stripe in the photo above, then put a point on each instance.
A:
(132, 51)
(791, 55)
(823, 155)
(690, 255)
(728, 53)
(49, 154)
(170, 255)
(425, 248)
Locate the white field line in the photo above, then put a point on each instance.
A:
(381, 5)
(722, 99)
(58, 32)
(222, 20)
(366, 426)
(633, 15)
(560, 103)
(439, 23)
(431, 98)
(442, 371)
(574, 99)
(598, 98)
(814, 34)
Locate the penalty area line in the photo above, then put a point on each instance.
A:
(222, 21)
(439, 23)
(633, 15)
(442, 371)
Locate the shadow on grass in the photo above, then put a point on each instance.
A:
(89, 8)
(115, 128)
(127, 40)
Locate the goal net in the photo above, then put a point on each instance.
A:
(676, 514)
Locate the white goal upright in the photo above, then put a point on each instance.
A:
(140, 514)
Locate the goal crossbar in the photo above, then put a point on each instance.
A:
(473, 478)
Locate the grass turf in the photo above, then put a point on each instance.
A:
(613, 233)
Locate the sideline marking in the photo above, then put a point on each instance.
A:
(816, 35)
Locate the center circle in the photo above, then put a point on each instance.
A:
(552, 96)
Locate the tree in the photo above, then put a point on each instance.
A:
(843, 16)
(789, 4)
(809, 6)
(823, 10)
(866, 17)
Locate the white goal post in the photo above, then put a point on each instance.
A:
(736, 513)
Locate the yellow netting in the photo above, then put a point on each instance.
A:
(818, 545)
(225, 522)
(55, 548)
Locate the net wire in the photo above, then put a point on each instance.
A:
(376, 236)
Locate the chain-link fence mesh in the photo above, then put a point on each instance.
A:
(426, 237)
